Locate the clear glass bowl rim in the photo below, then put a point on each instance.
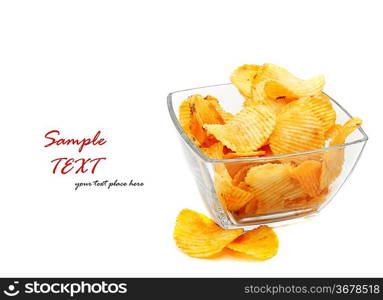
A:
(196, 150)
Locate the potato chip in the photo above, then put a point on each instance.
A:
(259, 96)
(243, 154)
(308, 175)
(226, 116)
(296, 131)
(280, 83)
(262, 243)
(272, 184)
(215, 151)
(231, 196)
(199, 236)
(333, 159)
(333, 131)
(320, 106)
(242, 78)
(185, 119)
(247, 131)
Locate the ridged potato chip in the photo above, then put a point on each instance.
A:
(320, 106)
(199, 236)
(247, 131)
(231, 196)
(259, 96)
(308, 175)
(333, 159)
(185, 119)
(262, 243)
(282, 84)
(271, 185)
(215, 151)
(242, 78)
(243, 154)
(226, 116)
(297, 131)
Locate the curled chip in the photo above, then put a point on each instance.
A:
(247, 131)
(226, 116)
(297, 131)
(271, 185)
(333, 159)
(261, 243)
(308, 175)
(259, 96)
(231, 196)
(198, 236)
(203, 112)
(333, 131)
(242, 78)
(282, 84)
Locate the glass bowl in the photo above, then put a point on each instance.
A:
(207, 171)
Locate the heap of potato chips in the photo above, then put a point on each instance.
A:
(282, 114)
(198, 236)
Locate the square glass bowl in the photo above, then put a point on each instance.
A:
(206, 170)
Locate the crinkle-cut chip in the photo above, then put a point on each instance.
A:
(308, 176)
(271, 185)
(198, 236)
(333, 159)
(247, 131)
(333, 131)
(231, 196)
(242, 78)
(259, 97)
(296, 131)
(320, 106)
(185, 119)
(202, 112)
(261, 242)
(243, 154)
(226, 116)
(235, 167)
(215, 151)
(283, 84)
(241, 175)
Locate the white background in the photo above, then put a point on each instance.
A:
(83, 66)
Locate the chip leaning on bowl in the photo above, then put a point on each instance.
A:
(281, 114)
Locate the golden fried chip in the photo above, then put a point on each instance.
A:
(244, 154)
(280, 83)
(272, 184)
(261, 242)
(185, 119)
(247, 131)
(320, 106)
(231, 196)
(333, 131)
(242, 78)
(259, 96)
(296, 131)
(226, 116)
(308, 175)
(199, 236)
(215, 151)
(333, 159)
